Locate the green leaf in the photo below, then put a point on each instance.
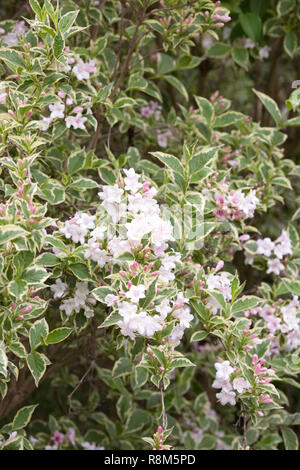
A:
(58, 335)
(107, 175)
(23, 417)
(83, 183)
(270, 105)
(151, 291)
(111, 320)
(290, 439)
(218, 49)
(181, 362)
(101, 292)
(3, 360)
(36, 8)
(18, 349)
(66, 21)
(13, 444)
(10, 232)
(137, 420)
(177, 84)
(34, 275)
(126, 256)
(37, 333)
(290, 43)
(122, 367)
(76, 161)
(251, 25)
(47, 259)
(58, 45)
(37, 365)
(199, 336)
(292, 286)
(18, 288)
(170, 161)
(165, 64)
(206, 108)
(81, 271)
(245, 303)
(11, 58)
(124, 102)
(228, 119)
(240, 56)
(201, 158)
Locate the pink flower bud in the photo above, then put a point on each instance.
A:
(129, 284)
(219, 266)
(31, 222)
(159, 429)
(26, 309)
(254, 359)
(260, 413)
(11, 113)
(69, 101)
(78, 109)
(20, 317)
(29, 114)
(219, 25)
(13, 305)
(61, 94)
(20, 192)
(36, 297)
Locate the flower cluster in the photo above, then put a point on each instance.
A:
(12, 38)
(223, 381)
(57, 110)
(153, 109)
(275, 251)
(232, 204)
(82, 298)
(281, 319)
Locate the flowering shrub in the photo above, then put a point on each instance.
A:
(149, 246)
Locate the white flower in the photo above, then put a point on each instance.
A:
(224, 370)
(57, 110)
(117, 246)
(111, 299)
(88, 312)
(127, 310)
(136, 293)
(275, 266)
(68, 306)
(132, 181)
(59, 288)
(223, 383)
(249, 44)
(264, 52)
(77, 122)
(240, 384)
(226, 397)
(184, 316)
(45, 123)
(98, 233)
(83, 70)
(265, 247)
(164, 308)
(91, 446)
(111, 194)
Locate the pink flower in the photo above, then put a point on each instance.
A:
(58, 437)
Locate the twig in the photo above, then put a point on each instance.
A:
(163, 409)
(78, 385)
